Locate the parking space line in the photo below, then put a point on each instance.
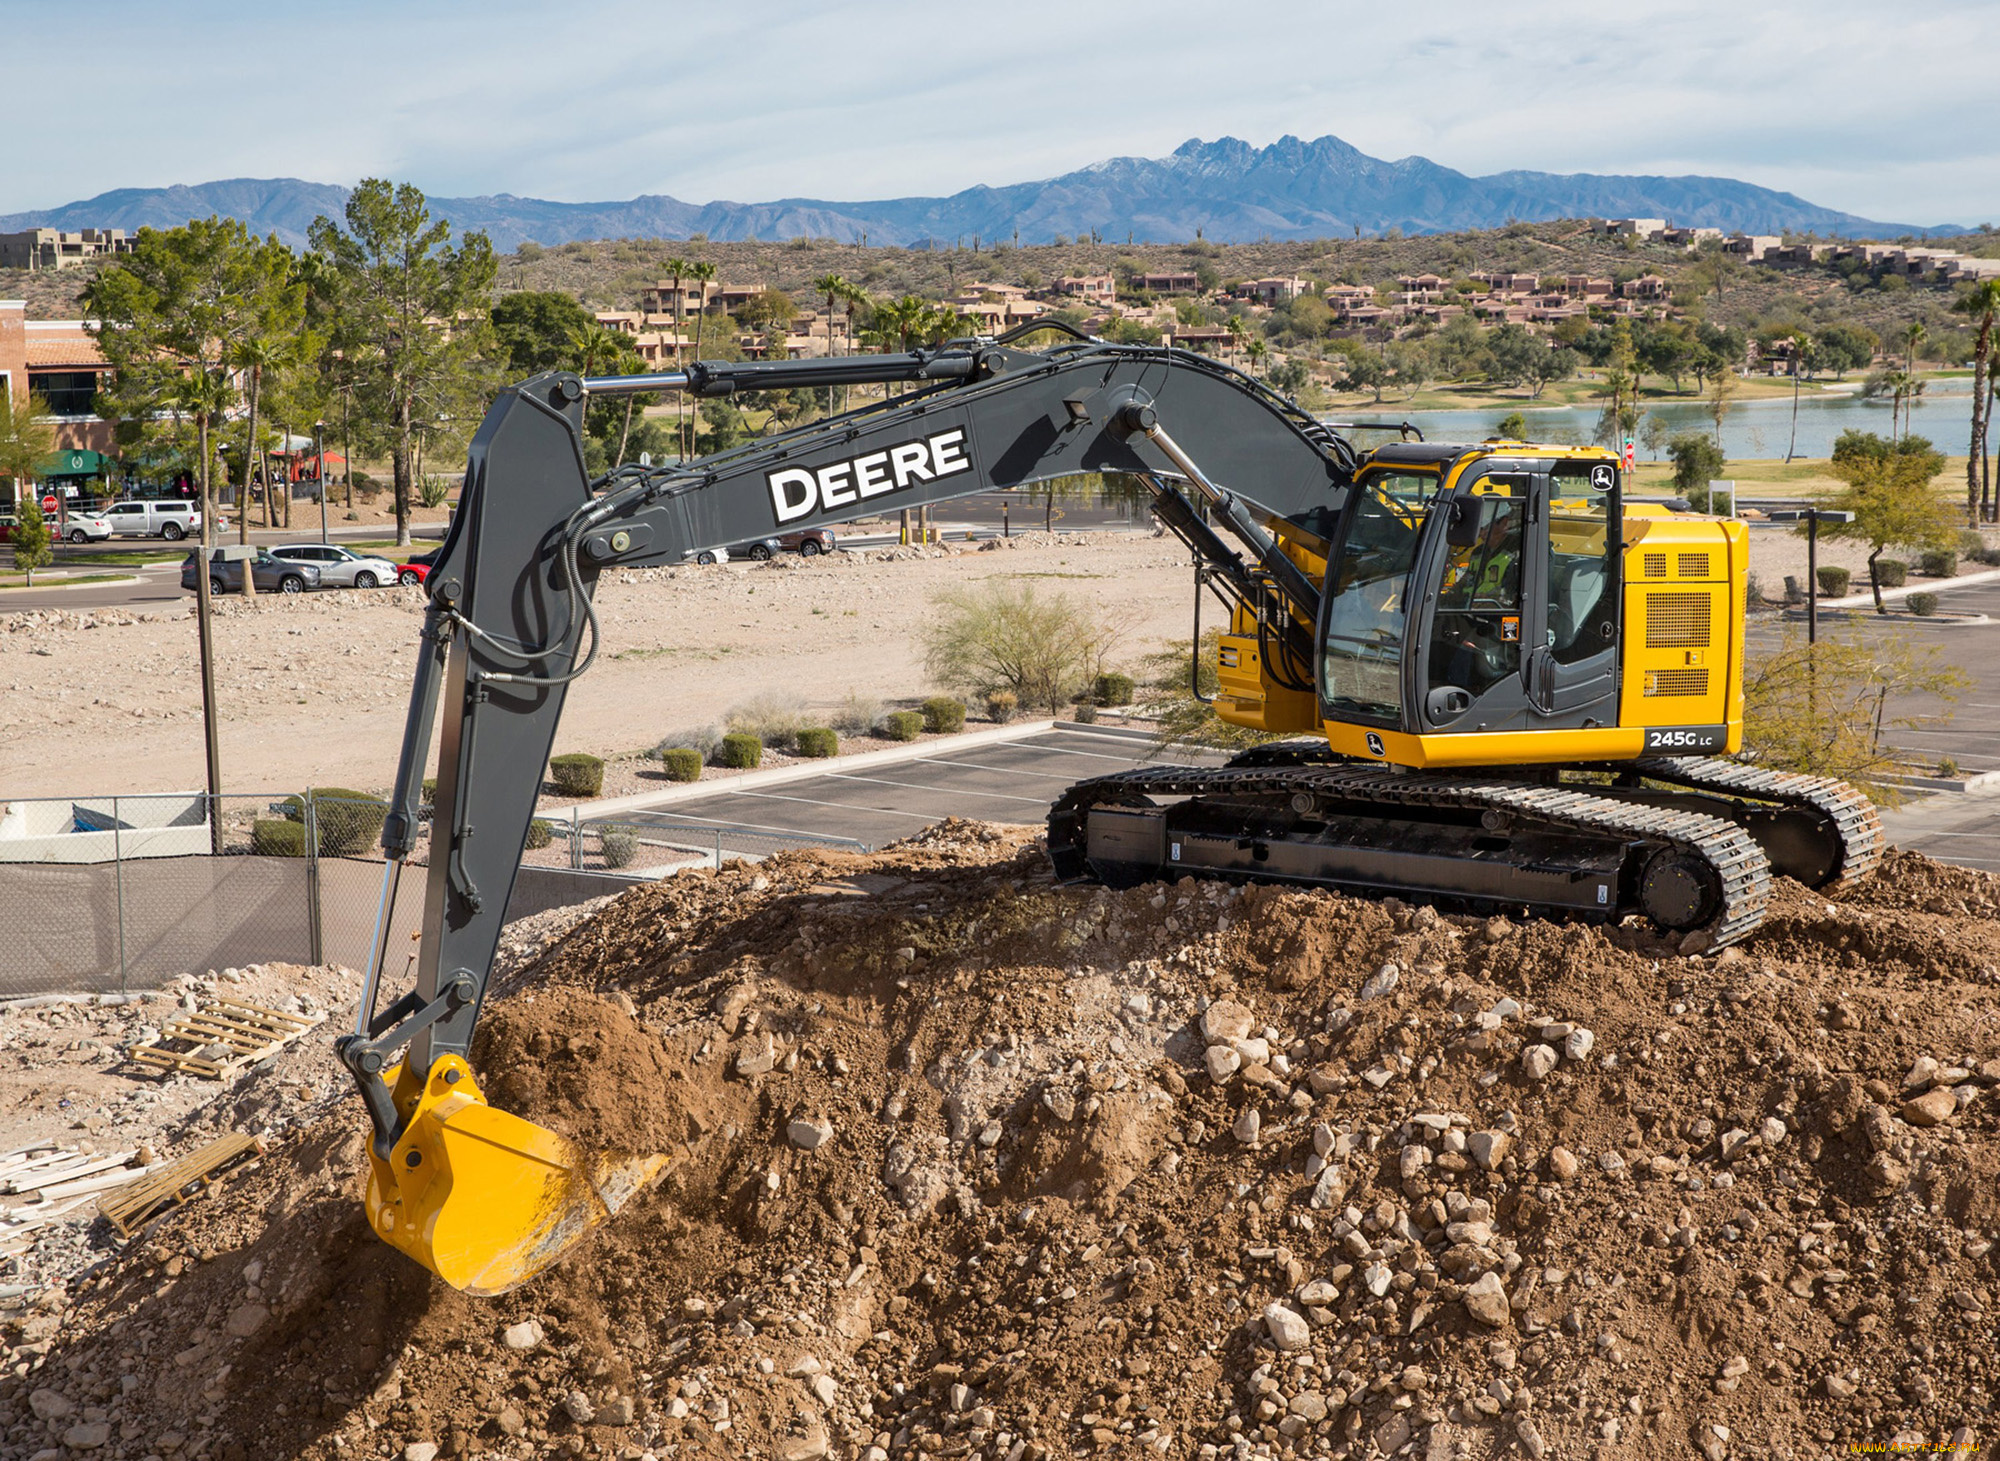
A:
(730, 823)
(1001, 770)
(941, 790)
(806, 801)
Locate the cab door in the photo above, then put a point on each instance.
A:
(1572, 607)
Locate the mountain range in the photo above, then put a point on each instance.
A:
(1227, 191)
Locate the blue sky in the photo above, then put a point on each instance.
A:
(1885, 110)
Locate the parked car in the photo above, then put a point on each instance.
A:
(268, 573)
(807, 542)
(86, 525)
(709, 555)
(172, 519)
(340, 567)
(419, 566)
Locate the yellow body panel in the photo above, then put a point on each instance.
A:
(484, 1199)
(1681, 660)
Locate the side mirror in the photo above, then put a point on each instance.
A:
(1463, 529)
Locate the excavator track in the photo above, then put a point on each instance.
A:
(1849, 825)
(1563, 851)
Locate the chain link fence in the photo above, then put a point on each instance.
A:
(100, 894)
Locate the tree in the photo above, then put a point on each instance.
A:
(274, 339)
(1846, 347)
(1697, 462)
(414, 306)
(1889, 493)
(1512, 427)
(1982, 303)
(1003, 634)
(766, 308)
(832, 286)
(1653, 433)
(31, 535)
(1256, 350)
(1718, 400)
(538, 330)
(27, 438)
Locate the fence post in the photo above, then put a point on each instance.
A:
(575, 843)
(718, 849)
(312, 879)
(118, 875)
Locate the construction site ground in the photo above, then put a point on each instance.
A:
(970, 1164)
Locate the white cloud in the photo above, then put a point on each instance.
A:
(1856, 106)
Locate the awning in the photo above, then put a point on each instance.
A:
(77, 462)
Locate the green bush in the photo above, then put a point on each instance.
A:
(1001, 705)
(540, 834)
(1833, 581)
(348, 821)
(741, 750)
(277, 837)
(818, 741)
(1112, 688)
(1923, 605)
(1970, 545)
(1891, 572)
(944, 715)
(618, 846)
(1939, 563)
(576, 774)
(428, 796)
(902, 725)
(683, 763)
(1697, 462)
(1086, 712)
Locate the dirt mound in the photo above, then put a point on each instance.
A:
(968, 1164)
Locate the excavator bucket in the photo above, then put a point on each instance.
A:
(484, 1199)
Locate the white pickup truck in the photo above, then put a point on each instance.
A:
(169, 518)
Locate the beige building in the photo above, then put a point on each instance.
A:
(49, 248)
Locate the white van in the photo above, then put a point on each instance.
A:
(168, 518)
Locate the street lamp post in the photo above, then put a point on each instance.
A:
(319, 473)
(1812, 517)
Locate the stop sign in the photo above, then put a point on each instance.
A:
(48, 504)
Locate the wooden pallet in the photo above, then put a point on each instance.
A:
(138, 1203)
(222, 1038)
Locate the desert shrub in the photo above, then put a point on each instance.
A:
(1833, 581)
(576, 774)
(1947, 768)
(1112, 688)
(1939, 563)
(944, 715)
(277, 837)
(773, 719)
(902, 725)
(818, 741)
(618, 846)
(348, 821)
(1004, 635)
(1970, 544)
(1086, 712)
(683, 763)
(540, 834)
(1923, 605)
(857, 715)
(706, 739)
(1891, 572)
(428, 795)
(1697, 461)
(1001, 705)
(741, 750)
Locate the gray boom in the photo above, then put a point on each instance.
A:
(510, 593)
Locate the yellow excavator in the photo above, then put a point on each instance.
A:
(1508, 688)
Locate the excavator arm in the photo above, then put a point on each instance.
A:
(479, 1196)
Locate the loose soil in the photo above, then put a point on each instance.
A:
(970, 1164)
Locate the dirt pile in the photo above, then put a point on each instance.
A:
(968, 1164)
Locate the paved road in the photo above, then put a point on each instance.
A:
(1011, 782)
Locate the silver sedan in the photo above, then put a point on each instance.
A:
(339, 567)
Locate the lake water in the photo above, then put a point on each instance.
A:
(1752, 430)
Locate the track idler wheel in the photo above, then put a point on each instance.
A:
(1679, 890)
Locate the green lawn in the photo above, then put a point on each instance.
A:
(17, 580)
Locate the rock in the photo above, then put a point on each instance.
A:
(760, 1059)
(88, 1436)
(1486, 1301)
(1318, 1294)
(1246, 1126)
(245, 1320)
(809, 1134)
(1308, 1405)
(1287, 1328)
(1772, 1131)
(1382, 982)
(824, 1389)
(1223, 1062)
(1323, 1139)
(1376, 1278)
(1732, 1142)
(576, 1405)
(1735, 1365)
(810, 1448)
(1530, 1438)
(420, 1451)
(805, 1365)
(1922, 1075)
(1933, 1108)
(525, 1335)
(1576, 1045)
(1537, 1061)
(615, 1411)
(50, 1405)
(1489, 1148)
(1562, 1164)
(511, 1421)
(1226, 1020)
(1839, 1387)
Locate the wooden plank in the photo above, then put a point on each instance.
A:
(103, 1182)
(173, 1184)
(249, 1033)
(85, 1165)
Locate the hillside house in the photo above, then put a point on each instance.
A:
(1649, 287)
(1167, 283)
(51, 248)
(1091, 288)
(1752, 246)
(1270, 291)
(1628, 227)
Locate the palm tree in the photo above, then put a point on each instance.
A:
(677, 267)
(831, 286)
(701, 272)
(1256, 350)
(1982, 303)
